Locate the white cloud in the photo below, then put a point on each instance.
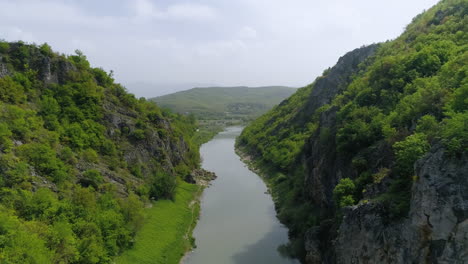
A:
(247, 33)
(242, 42)
(219, 49)
(16, 33)
(191, 11)
(177, 11)
(144, 8)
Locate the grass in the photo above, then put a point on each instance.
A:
(206, 132)
(166, 234)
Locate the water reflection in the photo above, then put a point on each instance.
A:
(238, 222)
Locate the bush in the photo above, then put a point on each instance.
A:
(429, 126)
(5, 138)
(343, 193)
(410, 150)
(19, 244)
(92, 177)
(455, 132)
(163, 186)
(90, 155)
(4, 47)
(11, 91)
(138, 134)
(45, 161)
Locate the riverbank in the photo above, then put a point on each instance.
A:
(237, 223)
(290, 208)
(258, 167)
(167, 232)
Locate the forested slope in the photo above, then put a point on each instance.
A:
(225, 102)
(368, 163)
(79, 157)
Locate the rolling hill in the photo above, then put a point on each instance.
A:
(221, 103)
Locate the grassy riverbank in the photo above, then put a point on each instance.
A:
(167, 232)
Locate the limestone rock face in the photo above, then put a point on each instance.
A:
(201, 177)
(325, 168)
(436, 230)
(439, 206)
(3, 69)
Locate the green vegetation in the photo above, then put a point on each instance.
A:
(407, 98)
(344, 192)
(79, 158)
(207, 129)
(408, 151)
(159, 240)
(218, 107)
(225, 103)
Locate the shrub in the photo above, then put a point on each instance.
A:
(410, 150)
(4, 47)
(90, 155)
(45, 161)
(138, 134)
(343, 193)
(5, 138)
(429, 126)
(455, 132)
(11, 91)
(163, 186)
(92, 177)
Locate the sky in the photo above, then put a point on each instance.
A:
(156, 47)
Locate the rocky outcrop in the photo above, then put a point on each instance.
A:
(436, 230)
(200, 177)
(338, 77)
(3, 69)
(155, 150)
(324, 166)
(440, 206)
(158, 148)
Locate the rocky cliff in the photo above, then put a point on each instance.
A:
(368, 163)
(436, 230)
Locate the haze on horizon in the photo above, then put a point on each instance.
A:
(156, 47)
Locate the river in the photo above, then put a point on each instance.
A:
(238, 223)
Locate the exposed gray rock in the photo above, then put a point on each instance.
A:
(312, 246)
(201, 177)
(324, 166)
(3, 69)
(338, 77)
(436, 230)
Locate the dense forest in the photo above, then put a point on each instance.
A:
(79, 158)
(354, 144)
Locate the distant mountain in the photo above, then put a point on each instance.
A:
(225, 102)
(153, 89)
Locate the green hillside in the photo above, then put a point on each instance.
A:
(79, 159)
(354, 136)
(225, 102)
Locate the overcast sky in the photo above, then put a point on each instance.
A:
(172, 44)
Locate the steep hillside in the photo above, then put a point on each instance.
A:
(368, 163)
(225, 102)
(79, 157)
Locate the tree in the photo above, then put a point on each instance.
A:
(409, 150)
(343, 193)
